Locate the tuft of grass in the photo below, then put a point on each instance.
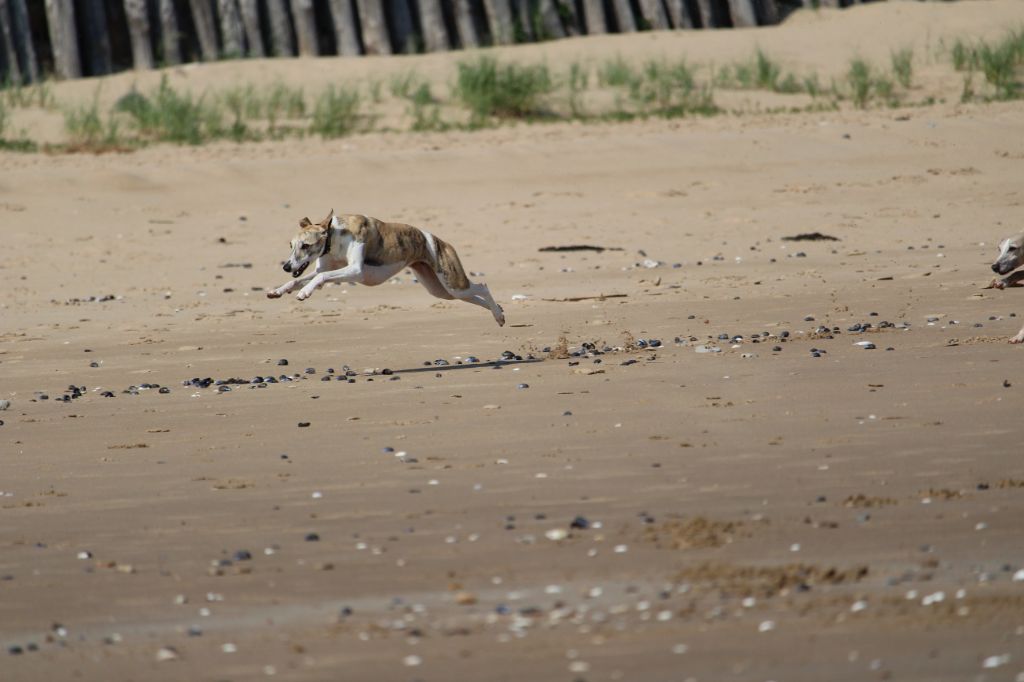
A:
(767, 72)
(577, 84)
(616, 73)
(965, 58)
(425, 111)
(491, 90)
(903, 66)
(402, 85)
(999, 64)
(88, 131)
(859, 78)
(670, 90)
(282, 102)
(336, 112)
(170, 116)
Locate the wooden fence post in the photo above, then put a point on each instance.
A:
(23, 41)
(170, 35)
(593, 14)
(654, 14)
(305, 27)
(768, 11)
(202, 17)
(435, 38)
(742, 12)
(499, 20)
(624, 16)
(401, 23)
(678, 15)
(12, 73)
(60, 16)
(138, 29)
(232, 35)
(280, 29)
(464, 23)
(251, 21)
(550, 22)
(375, 30)
(344, 27)
(97, 47)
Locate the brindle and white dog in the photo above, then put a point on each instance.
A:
(1011, 257)
(363, 250)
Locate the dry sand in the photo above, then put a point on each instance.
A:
(753, 514)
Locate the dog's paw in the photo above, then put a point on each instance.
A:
(997, 284)
(273, 293)
(303, 295)
(1017, 339)
(499, 317)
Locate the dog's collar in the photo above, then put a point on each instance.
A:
(327, 243)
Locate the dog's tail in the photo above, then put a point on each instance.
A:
(449, 267)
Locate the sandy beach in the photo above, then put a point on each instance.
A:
(617, 488)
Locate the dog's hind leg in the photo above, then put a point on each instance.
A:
(479, 294)
(428, 278)
(1019, 338)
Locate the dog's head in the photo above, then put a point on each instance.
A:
(1011, 255)
(308, 244)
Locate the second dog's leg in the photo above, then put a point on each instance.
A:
(479, 294)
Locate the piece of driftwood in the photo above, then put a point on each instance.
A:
(811, 237)
(578, 247)
(574, 299)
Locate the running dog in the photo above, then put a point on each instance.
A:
(1011, 257)
(364, 250)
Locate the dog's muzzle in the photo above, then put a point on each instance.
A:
(1001, 268)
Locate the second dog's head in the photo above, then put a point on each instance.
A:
(1011, 255)
(308, 244)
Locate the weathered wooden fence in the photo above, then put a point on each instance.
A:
(75, 38)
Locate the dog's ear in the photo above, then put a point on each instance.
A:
(305, 222)
(326, 222)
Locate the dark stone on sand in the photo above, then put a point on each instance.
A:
(312, 537)
(94, 364)
(982, 486)
(1006, 383)
(345, 612)
(195, 631)
(303, 425)
(580, 522)
(523, 386)
(242, 555)
(325, 378)
(310, 370)
(776, 348)
(284, 456)
(164, 390)
(387, 372)
(508, 355)
(282, 362)
(15, 650)
(440, 362)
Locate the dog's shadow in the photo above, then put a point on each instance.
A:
(493, 364)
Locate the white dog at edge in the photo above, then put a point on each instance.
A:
(364, 250)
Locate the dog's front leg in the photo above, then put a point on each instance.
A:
(1011, 280)
(352, 272)
(288, 286)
